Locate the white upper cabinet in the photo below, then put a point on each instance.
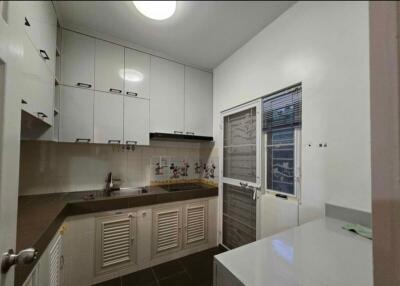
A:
(76, 114)
(136, 121)
(109, 67)
(40, 22)
(77, 61)
(108, 118)
(167, 95)
(198, 102)
(137, 73)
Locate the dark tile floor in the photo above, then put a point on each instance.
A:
(195, 269)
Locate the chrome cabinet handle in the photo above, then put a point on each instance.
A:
(41, 115)
(82, 140)
(44, 54)
(178, 132)
(25, 256)
(129, 142)
(23, 101)
(190, 133)
(244, 185)
(114, 141)
(131, 93)
(115, 90)
(84, 85)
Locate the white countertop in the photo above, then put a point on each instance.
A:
(318, 253)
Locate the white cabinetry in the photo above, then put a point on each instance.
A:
(108, 118)
(115, 242)
(109, 67)
(167, 230)
(76, 118)
(167, 96)
(198, 102)
(77, 61)
(195, 224)
(137, 73)
(136, 121)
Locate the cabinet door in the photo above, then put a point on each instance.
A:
(41, 27)
(109, 67)
(108, 118)
(137, 73)
(167, 96)
(76, 114)
(198, 102)
(136, 121)
(195, 224)
(115, 242)
(77, 61)
(56, 263)
(167, 226)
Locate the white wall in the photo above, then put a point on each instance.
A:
(325, 46)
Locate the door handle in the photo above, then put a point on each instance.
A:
(115, 90)
(85, 85)
(82, 140)
(25, 256)
(44, 54)
(131, 93)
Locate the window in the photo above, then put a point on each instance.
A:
(281, 126)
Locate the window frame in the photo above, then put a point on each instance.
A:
(296, 166)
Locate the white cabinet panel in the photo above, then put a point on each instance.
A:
(41, 26)
(108, 118)
(137, 73)
(56, 262)
(76, 114)
(115, 242)
(77, 61)
(109, 67)
(198, 102)
(195, 224)
(136, 121)
(167, 96)
(167, 225)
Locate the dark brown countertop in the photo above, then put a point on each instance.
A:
(40, 216)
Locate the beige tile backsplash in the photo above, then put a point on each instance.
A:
(47, 167)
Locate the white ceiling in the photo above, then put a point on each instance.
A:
(200, 33)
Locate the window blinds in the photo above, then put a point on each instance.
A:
(282, 110)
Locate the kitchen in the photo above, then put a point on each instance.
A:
(198, 143)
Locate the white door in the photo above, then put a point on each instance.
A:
(167, 96)
(108, 118)
(241, 174)
(198, 102)
(195, 224)
(109, 67)
(77, 61)
(137, 74)
(11, 90)
(76, 114)
(136, 121)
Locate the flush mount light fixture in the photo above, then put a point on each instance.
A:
(157, 10)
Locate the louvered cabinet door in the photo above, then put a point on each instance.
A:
(167, 228)
(195, 224)
(55, 263)
(115, 242)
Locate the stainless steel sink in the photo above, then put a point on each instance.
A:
(129, 191)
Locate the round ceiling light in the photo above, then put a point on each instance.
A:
(157, 10)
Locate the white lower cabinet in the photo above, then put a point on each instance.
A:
(167, 230)
(108, 118)
(76, 115)
(115, 242)
(195, 227)
(136, 121)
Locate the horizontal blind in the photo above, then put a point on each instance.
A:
(282, 110)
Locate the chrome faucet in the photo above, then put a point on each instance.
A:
(109, 184)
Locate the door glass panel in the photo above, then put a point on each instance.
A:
(239, 216)
(240, 145)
